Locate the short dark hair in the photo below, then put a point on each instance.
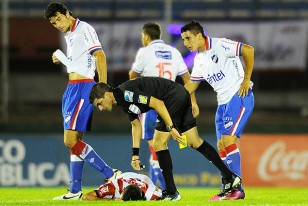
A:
(132, 192)
(152, 29)
(194, 27)
(53, 8)
(98, 91)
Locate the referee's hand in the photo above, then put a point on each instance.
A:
(136, 163)
(177, 137)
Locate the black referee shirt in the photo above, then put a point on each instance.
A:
(134, 95)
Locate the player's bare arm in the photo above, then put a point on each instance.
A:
(191, 86)
(136, 139)
(195, 107)
(101, 65)
(132, 74)
(90, 196)
(248, 58)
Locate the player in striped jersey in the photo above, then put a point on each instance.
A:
(84, 56)
(123, 188)
(157, 59)
(218, 63)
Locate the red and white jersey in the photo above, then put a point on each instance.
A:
(220, 66)
(159, 60)
(114, 189)
(81, 42)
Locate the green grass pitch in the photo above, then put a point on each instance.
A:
(190, 197)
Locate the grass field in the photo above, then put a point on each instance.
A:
(190, 197)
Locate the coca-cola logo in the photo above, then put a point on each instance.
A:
(278, 163)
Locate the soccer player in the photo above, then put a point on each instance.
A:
(173, 105)
(157, 59)
(128, 186)
(84, 56)
(218, 63)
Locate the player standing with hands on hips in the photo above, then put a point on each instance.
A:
(173, 105)
(84, 56)
(157, 59)
(218, 63)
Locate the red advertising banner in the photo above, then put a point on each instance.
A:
(275, 160)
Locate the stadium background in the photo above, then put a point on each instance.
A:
(32, 87)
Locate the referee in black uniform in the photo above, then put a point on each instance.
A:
(172, 103)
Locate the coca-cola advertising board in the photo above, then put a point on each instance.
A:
(275, 160)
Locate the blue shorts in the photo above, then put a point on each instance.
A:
(232, 117)
(76, 107)
(148, 122)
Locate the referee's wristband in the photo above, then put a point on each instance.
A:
(135, 151)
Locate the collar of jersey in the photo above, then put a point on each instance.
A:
(75, 24)
(157, 41)
(208, 43)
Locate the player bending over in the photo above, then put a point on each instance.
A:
(173, 105)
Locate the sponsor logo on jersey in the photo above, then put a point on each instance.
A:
(134, 109)
(71, 42)
(225, 47)
(163, 54)
(89, 60)
(85, 37)
(212, 78)
(143, 99)
(234, 62)
(128, 96)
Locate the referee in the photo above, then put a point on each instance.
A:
(173, 105)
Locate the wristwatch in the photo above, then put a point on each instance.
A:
(169, 128)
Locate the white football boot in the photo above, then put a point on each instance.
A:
(69, 196)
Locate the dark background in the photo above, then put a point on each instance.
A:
(281, 96)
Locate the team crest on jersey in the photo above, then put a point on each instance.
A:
(228, 123)
(134, 109)
(67, 117)
(128, 96)
(143, 99)
(214, 58)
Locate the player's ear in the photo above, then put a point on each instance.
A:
(199, 36)
(107, 95)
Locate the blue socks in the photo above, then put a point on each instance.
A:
(233, 160)
(83, 152)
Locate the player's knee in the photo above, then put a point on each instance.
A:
(220, 145)
(227, 140)
(159, 145)
(195, 143)
(69, 142)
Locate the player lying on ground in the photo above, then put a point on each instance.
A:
(128, 186)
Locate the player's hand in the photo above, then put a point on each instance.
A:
(55, 60)
(136, 163)
(177, 137)
(243, 91)
(195, 110)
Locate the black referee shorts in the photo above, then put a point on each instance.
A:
(180, 110)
